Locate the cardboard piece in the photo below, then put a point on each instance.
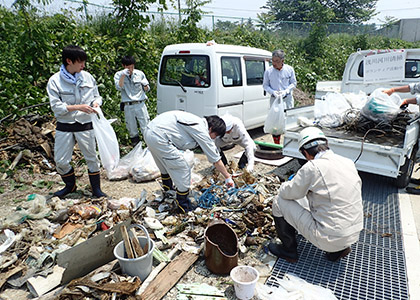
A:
(91, 254)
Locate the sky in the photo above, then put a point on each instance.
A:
(399, 9)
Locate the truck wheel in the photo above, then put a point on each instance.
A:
(406, 169)
(268, 153)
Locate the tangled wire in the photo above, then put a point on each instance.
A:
(355, 121)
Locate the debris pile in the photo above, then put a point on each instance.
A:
(44, 230)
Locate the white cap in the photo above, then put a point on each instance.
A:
(228, 121)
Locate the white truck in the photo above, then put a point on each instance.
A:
(214, 79)
(388, 156)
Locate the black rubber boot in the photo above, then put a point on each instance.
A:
(95, 183)
(70, 180)
(335, 256)
(135, 140)
(184, 204)
(242, 161)
(287, 234)
(413, 190)
(166, 182)
(223, 158)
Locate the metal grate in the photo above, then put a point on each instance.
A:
(375, 269)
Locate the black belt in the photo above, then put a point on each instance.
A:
(132, 102)
(74, 127)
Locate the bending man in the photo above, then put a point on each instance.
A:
(173, 131)
(237, 134)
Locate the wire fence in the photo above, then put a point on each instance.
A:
(84, 9)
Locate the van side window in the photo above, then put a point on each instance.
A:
(231, 71)
(189, 70)
(412, 68)
(254, 71)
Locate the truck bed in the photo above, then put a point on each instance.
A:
(373, 137)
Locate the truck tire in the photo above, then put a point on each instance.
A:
(268, 153)
(406, 169)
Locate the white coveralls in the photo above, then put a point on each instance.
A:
(170, 133)
(329, 188)
(275, 80)
(238, 136)
(134, 97)
(61, 94)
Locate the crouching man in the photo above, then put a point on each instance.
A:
(323, 202)
(173, 131)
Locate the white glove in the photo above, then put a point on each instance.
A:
(277, 94)
(229, 182)
(250, 166)
(126, 72)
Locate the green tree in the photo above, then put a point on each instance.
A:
(345, 11)
(189, 31)
(128, 13)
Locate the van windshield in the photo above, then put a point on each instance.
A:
(187, 70)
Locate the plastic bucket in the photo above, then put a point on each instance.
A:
(244, 280)
(140, 266)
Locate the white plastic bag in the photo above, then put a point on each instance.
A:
(330, 110)
(381, 107)
(275, 122)
(146, 169)
(122, 170)
(109, 151)
(292, 287)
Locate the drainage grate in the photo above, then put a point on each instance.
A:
(375, 269)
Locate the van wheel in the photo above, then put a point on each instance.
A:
(406, 169)
(268, 153)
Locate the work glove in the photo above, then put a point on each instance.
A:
(389, 92)
(126, 72)
(229, 182)
(278, 94)
(404, 104)
(250, 166)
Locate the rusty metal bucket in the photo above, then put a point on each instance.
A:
(220, 248)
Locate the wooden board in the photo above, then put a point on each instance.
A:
(169, 276)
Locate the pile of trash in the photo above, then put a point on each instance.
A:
(361, 112)
(45, 233)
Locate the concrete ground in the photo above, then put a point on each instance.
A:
(410, 222)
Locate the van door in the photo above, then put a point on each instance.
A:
(231, 93)
(187, 84)
(256, 100)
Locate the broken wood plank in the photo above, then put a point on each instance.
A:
(169, 276)
(135, 243)
(10, 273)
(156, 271)
(127, 243)
(13, 164)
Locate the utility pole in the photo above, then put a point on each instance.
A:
(179, 11)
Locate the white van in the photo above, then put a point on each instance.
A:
(214, 79)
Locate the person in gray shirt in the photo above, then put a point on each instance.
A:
(73, 94)
(169, 134)
(133, 85)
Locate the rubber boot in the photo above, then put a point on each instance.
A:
(223, 158)
(70, 180)
(276, 139)
(166, 182)
(182, 201)
(242, 161)
(287, 234)
(135, 140)
(335, 256)
(95, 183)
(413, 190)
